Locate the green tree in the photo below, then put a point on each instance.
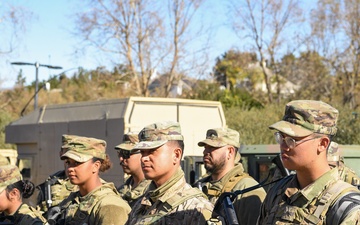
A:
(232, 67)
(238, 98)
(310, 74)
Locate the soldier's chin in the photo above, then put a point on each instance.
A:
(148, 176)
(73, 180)
(209, 168)
(126, 170)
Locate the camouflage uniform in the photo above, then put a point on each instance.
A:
(175, 201)
(60, 189)
(286, 202)
(345, 173)
(24, 215)
(60, 186)
(103, 205)
(246, 205)
(156, 206)
(127, 191)
(130, 194)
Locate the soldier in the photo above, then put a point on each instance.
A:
(314, 195)
(221, 161)
(135, 185)
(95, 203)
(58, 184)
(169, 199)
(12, 191)
(345, 173)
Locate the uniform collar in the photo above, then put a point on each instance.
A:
(296, 196)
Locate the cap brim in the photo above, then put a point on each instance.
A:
(290, 129)
(212, 143)
(128, 147)
(150, 144)
(76, 156)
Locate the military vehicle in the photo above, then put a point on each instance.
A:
(38, 134)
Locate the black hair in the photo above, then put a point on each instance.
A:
(180, 144)
(25, 187)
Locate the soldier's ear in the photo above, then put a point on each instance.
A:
(96, 166)
(177, 155)
(14, 194)
(231, 152)
(323, 144)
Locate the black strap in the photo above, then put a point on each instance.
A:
(342, 208)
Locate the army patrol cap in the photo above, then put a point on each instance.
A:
(220, 137)
(129, 141)
(65, 139)
(82, 149)
(304, 117)
(9, 174)
(157, 134)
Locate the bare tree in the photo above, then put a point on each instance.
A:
(13, 22)
(141, 35)
(336, 34)
(265, 23)
(181, 13)
(122, 28)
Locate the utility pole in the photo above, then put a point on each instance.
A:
(37, 65)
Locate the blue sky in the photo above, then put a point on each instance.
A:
(48, 41)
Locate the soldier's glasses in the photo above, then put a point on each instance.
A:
(289, 141)
(125, 154)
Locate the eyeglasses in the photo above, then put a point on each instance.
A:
(289, 141)
(125, 154)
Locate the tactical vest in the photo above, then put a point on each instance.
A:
(171, 204)
(227, 187)
(324, 206)
(80, 213)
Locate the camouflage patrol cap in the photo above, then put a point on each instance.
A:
(129, 141)
(4, 161)
(9, 174)
(157, 134)
(333, 152)
(220, 137)
(65, 139)
(82, 149)
(304, 117)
